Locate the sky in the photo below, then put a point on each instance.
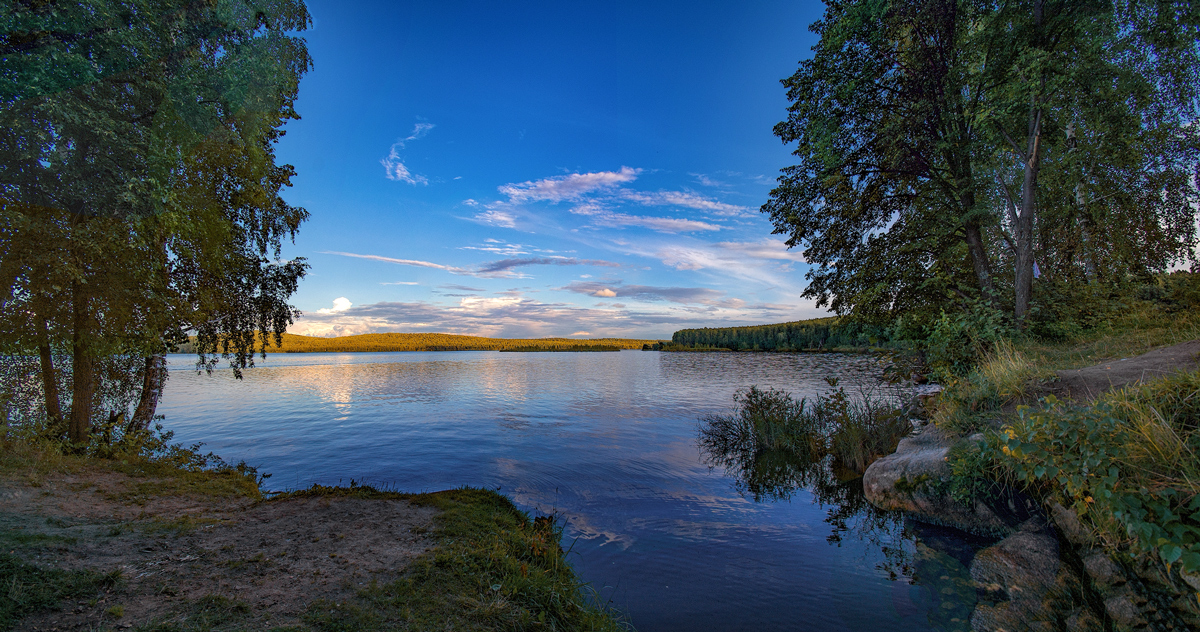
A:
(544, 169)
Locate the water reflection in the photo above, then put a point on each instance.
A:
(608, 442)
(930, 564)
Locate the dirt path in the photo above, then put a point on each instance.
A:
(178, 554)
(1086, 384)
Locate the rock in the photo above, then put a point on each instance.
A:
(913, 479)
(1068, 524)
(1104, 573)
(1123, 611)
(1006, 617)
(1025, 565)
(1033, 588)
(1082, 620)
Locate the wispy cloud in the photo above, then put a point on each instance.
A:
(494, 269)
(704, 180)
(394, 167)
(611, 219)
(684, 199)
(497, 217)
(684, 295)
(403, 262)
(508, 264)
(568, 187)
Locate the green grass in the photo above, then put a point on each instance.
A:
(26, 589)
(493, 569)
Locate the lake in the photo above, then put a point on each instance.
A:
(608, 443)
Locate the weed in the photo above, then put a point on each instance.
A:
(27, 589)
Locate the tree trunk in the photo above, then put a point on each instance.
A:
(1085, 232)
(154, 376)
(1025, 223)
(49, 380)
(82, 368)
(979, 261)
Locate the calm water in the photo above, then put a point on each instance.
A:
(608, 442)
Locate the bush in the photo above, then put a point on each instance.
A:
(1094, 458)
(957, 341)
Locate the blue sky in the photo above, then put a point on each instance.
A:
(544, 169)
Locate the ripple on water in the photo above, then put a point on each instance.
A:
(605, 441)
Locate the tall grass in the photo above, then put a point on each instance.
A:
(855, 431)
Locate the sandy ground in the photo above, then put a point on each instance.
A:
(276, 557)
(1086, 384)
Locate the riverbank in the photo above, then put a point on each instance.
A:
(103, 544)
(1096, 440)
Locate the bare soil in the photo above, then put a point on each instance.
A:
(276, 557)
(1086, 384)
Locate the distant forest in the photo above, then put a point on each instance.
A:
(439, 342)
(802, 335)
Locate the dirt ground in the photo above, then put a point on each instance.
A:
(275, 557)
(1086, 384)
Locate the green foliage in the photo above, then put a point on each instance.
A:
(958, 341)
(942, 146)
(26, 589)
(1088, 455)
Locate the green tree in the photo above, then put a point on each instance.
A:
(940, 140)
(137, 141)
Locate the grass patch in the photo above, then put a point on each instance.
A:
(19, 538)
(494, 568)
(203, 615)
(26, 589)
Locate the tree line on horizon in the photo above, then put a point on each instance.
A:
(292, 343)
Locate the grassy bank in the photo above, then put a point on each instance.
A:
(491, 567)
(1126, 462)
(440, 342)
(494, 569)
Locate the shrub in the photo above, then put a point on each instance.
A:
(1095, 460)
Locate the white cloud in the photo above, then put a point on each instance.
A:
(686, 200)
(517, 317)
(582, 333)
(340, 304)
(660, 224)
(496, 217)
(394, 168)
(568, 187)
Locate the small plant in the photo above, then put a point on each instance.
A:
(116, 611)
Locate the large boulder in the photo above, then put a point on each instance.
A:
(915, 479)
(1025, 586)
